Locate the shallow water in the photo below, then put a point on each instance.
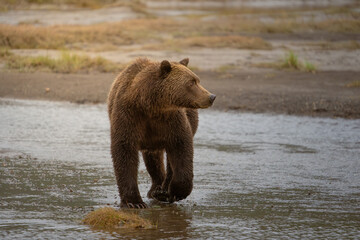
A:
(256, 176)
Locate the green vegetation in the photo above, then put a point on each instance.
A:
(194, 68)
(59, 37)
(239, 42)
(66, 63)
(354, 84)
(276, 65)
(136, 5)
(291, 61)
(76, 3)
(217, 32)
(309, 67)
(5, 52)
(110, 219)
(226, 68)
(239, 24)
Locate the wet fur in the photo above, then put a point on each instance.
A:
(149, 113)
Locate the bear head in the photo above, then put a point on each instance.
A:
(183, 86)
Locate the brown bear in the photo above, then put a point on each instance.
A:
(153, 109)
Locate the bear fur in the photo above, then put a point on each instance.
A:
(153, 109)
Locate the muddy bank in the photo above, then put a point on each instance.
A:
(297, 93)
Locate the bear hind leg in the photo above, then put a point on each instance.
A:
(163, 193)
(154, 162)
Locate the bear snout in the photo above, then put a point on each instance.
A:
(206, 101)
(212, 98)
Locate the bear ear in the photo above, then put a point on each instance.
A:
(185, 62)
(165, 67)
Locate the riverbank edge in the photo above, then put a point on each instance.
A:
(279, 92)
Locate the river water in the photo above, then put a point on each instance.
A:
(256, 176)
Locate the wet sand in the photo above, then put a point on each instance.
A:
(323, 94)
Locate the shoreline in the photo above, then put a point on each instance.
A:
(323, 94)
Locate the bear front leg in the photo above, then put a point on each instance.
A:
(169, 173)
(154, 162)
(126, 162)
(180, 156)
(161, 194)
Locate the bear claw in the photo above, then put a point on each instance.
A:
(161, 196)
(174, 199)
(136, 205)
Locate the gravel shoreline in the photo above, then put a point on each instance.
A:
(323, 94)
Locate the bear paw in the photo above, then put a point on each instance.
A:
(153, 189)
(161, 195)
(174, 198)
(139, 205)
(179, 190)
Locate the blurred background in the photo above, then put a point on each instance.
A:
(271, 42)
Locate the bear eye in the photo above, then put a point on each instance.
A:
(192, 82)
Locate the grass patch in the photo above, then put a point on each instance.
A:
(222, 31)
(108, 218)
(145, 30)
(309, 67)
(215, 33)
(77, 3)
(267, 65)
(338, 10)
(354, 84)
(66, 63)
(336, 25)
(67, 36)
(238, 42)
(137, 6)
(58, 37)
(5, 52)
(194, 68)
(290, 61)
(238, 24)
(225, 68)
